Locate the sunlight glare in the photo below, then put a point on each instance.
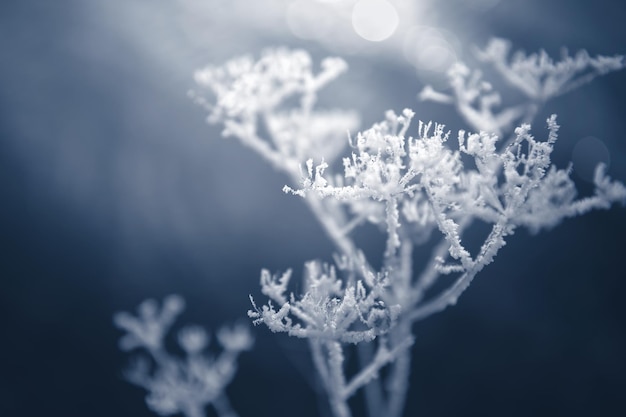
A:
(374, 20)
(428, 48)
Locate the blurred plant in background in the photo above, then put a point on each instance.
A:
(181, 385)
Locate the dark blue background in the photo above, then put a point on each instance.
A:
(113, 189)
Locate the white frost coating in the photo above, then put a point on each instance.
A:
(537, 76)
(404, 177)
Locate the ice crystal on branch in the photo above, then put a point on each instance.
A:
(537, 76)
(476, 100)
(245, 93)
(181, 385)
(513, 187)
(244, 87)
(409, 184)
(384, 168)
(331, 313)
(330, 309)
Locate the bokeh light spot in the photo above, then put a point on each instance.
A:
(429, 49)
(437, 57)
(587, 154)
(374, 20)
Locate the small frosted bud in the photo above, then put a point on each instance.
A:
(174, 304)
(379, 319)
(193, 339)
(148, 308)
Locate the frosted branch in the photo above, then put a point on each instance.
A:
(182, 385)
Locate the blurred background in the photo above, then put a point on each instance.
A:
(113, 189)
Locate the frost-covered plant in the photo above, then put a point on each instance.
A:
(249, 92)
(174, 384)
(536, 76)
(331, 313)
(410, 185)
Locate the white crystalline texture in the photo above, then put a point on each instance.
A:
(410, 183)
(507, 188)
(277, 92)
(328, 310)
(537, 76)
